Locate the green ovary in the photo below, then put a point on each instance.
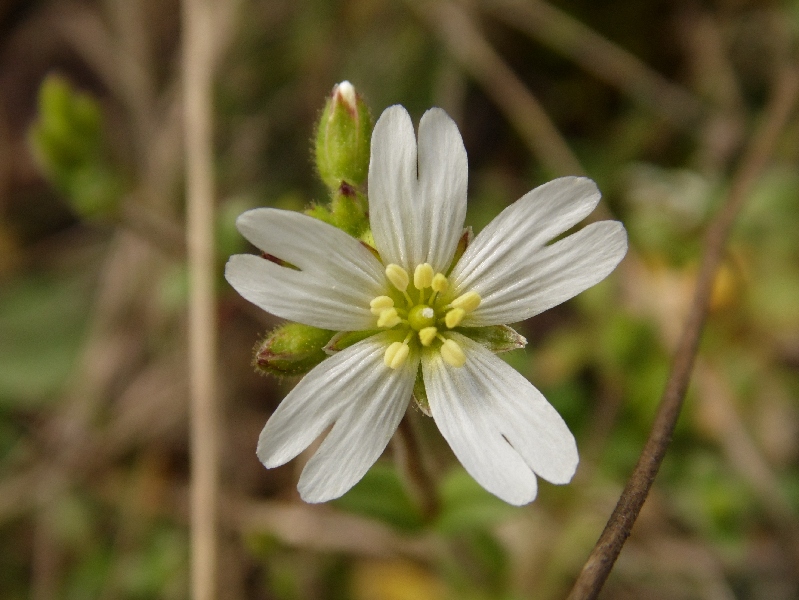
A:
(421, 316)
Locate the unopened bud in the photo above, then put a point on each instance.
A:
(291, 349)
(342, 138)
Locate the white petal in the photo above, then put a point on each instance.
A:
(337, 278)
(500, 427)
(417, 220)
(536, 218)
(503, 262)
(548, 276)
(377, 397)
(336, 390)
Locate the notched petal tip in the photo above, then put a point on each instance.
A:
(395, 116)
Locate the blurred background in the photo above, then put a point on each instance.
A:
(654, 100)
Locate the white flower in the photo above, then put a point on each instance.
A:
(499, 426)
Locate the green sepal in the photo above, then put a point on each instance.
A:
(420, 394)
(347, 211)
(321, 212)
(345, 339)
(497, 338)
(291, 349)
(343, 136)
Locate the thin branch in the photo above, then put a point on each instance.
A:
(476, 56)
(198, 61)
(597, 55)
(600, 562)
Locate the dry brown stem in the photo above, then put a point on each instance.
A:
(198, 60)
(600, 562)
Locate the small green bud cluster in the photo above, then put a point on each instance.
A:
(343, 137)
(68, 142)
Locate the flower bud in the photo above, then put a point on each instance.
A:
(342, 138)
(291, 349)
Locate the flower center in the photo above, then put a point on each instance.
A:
(423, 315)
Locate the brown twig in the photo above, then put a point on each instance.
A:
(601, 560)
(600, 57)
(476, 56)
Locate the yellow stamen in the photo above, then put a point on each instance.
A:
(397, 276)
(427, 335)
(396, 355)
(380, 304)
(440, 283)
(451, 353)
(423, 276)
(454, 317)
(388, 318)
(468, 301)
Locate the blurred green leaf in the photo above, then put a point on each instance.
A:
(381, 495)
(466, 506)
(42, 321)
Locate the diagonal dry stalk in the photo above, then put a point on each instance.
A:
(601, 560)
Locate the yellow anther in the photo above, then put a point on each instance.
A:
(397, 276)
(451, 353)
(427, 335)
(380, 304)
(454, 317)
(396, 355)
(423, 276)
(440, 283)
(388, 318)
(468, 301)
